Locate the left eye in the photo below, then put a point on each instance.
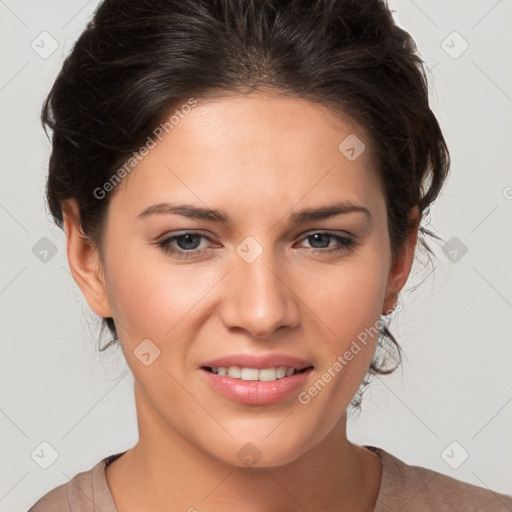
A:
(188, 243)
(324, 238)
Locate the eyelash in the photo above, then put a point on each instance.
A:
(346, 245)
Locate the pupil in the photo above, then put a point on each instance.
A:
(318, 236)
(187, 239)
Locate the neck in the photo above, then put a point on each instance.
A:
(165, 468)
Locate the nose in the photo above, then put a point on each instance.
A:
(258, 299)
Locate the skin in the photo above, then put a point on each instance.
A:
(258, 158)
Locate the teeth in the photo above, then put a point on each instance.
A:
(265, 374)
(249, 373)
(234, 371)
(281, 372)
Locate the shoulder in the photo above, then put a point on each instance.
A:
(413, 488)
(55, 500)
(85, 492)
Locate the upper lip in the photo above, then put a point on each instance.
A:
(257, 361)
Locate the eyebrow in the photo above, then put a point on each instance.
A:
(308, 214)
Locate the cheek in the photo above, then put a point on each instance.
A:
(348, 299)
(151, 295)
(156, 301)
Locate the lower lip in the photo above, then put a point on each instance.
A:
(256, 392)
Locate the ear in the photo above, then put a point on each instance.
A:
(84, 261)
(401, 265)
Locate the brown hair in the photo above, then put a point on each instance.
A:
(137, 60)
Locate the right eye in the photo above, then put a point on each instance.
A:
(186, 243)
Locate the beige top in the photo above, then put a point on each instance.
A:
(403, 488)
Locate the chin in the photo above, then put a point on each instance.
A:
(260, 452)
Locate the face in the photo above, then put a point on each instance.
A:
(269, 280)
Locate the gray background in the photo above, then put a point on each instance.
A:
(455, 382)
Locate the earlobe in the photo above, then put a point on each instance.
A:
(401, 266)
(84, 262)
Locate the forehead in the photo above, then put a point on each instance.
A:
(258, 147)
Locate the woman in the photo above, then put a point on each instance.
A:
(242, 185)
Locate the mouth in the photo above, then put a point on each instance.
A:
(262, 374)
(256, 386)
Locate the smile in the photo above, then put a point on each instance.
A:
(256, 386)
(264, 374)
